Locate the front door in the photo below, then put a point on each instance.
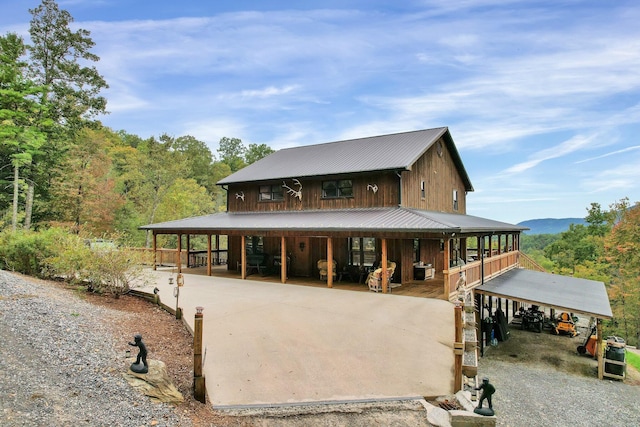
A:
(300, 262)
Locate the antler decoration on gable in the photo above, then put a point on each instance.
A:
(294, 193)
(240, 195)
(373, 187)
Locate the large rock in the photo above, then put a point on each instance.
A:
(155, 384)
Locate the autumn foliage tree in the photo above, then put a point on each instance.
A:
(622, 249)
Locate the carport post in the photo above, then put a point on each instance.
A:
(599, 348)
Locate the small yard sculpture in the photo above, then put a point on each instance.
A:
(137, 367)
(487, 391)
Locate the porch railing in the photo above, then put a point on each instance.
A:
(493, 266)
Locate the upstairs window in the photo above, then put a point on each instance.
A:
(335, 189)
(455, 200)
(423, 190)
(270, 193)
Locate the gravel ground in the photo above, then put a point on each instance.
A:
(531, 391)
(58, 365)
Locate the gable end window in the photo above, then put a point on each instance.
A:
(336, 189)
(270, 193)
(423, 190)
(455, 200)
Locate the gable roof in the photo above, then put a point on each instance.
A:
(365, 220)
(394, 152)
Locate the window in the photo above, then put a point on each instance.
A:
(455, 200)
(423, 190)
(362, 251)
(416, 250)
(270, 193)
(335, 189)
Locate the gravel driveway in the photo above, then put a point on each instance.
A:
(58, 365)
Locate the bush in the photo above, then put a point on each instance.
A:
(58, 254)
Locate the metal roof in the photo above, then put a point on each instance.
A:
(569, 294)
(385, 152)
(394, 219)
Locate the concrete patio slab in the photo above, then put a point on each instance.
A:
(271, 344)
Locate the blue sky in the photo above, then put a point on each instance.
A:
(541, 97)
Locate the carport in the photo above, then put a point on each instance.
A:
(563, 293)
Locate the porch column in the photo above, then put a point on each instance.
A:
(188, 250)
(283, 258)
(208, 254)
(383, 264)
(243, 258)
(446, 266)
(155, 251)
(329, 262)
(179, 254)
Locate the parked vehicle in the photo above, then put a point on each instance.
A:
(532, 319)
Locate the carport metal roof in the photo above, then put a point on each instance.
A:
(570, 294)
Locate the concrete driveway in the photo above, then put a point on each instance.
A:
(271, 344)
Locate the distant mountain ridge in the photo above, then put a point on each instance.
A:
(550, 225)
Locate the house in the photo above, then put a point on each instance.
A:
(391, 200)
(397, 198)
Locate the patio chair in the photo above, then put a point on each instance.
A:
(375, 278)
(323, 269)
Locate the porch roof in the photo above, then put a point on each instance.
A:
(373, 220)
(569, 294)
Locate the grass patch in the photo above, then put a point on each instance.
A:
(633, 359)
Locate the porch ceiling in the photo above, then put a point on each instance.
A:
(372, 220)
(570, 294)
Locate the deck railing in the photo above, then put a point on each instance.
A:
(167, 257)
(472, 272)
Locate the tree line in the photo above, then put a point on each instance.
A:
(606, 249)
(64, 168)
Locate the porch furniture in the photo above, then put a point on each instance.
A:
(423, 271)
(323, 269)
(374, 281)
(257, 263)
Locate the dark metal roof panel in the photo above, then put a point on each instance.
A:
(373, 219)
(386, 152)
(565, 293)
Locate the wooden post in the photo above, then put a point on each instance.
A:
(199, 389)
(155, 251)
(243, 258)
(329, 262)
(599, 349)
(458, 349)
(283, 259)
(179, 254)
(383, 264)
(208, 254)
(446, 266)
(188, 250)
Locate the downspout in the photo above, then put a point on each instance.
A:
(399, 188)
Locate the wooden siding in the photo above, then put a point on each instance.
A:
(363, 197)
(440, 176)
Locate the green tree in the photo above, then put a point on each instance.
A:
(256, 152)
(60, 60)
(22, 122)
(232, 152)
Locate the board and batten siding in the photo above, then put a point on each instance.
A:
(440, 176)
(363, 194)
